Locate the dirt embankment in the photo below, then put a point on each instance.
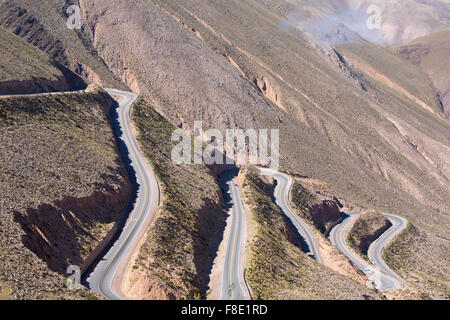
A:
(25, 69)
(369, 227)
(61, 233)
(321, 210)
(431, 54)
(277, 268)
(326, 214)
(175, 258)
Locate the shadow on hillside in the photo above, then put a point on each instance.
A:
(343, 217)
(52, 231)
(292, 233)
(211, 226)
(131, 174)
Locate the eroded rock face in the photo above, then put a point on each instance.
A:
(72, 82)
(65, 233)
(369, 227)
(431, 54)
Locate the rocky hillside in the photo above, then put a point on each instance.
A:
(63, 187)
(366, 229)
(350, 113)
(323, 213)
(26, 69)
(431, 53)
(44, 25)
(406, 20)
(176, 257)
(427, 270)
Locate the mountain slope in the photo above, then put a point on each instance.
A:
(379, 148)
(63, 187)
(401, 21)
(377, 137)
(321, 107)
(277, 268)
(431, 54)
(25, 69)
(44, 25)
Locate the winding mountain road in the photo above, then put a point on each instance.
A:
(106, 279)
(282, 195)
(379, 273)
(375, 252)
(233, 282)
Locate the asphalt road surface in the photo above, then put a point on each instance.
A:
(381, 276)
(375, 252)
(107, 276)
(233, 282)
(282, 191)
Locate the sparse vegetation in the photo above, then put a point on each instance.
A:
(322, 213)
(48, 219)
(19, 61)
(331, 128)
(44, 25)
(182, 240)
(421, 259)
(366, 229)
(5, 293)
(431, 54)
(368, 125)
